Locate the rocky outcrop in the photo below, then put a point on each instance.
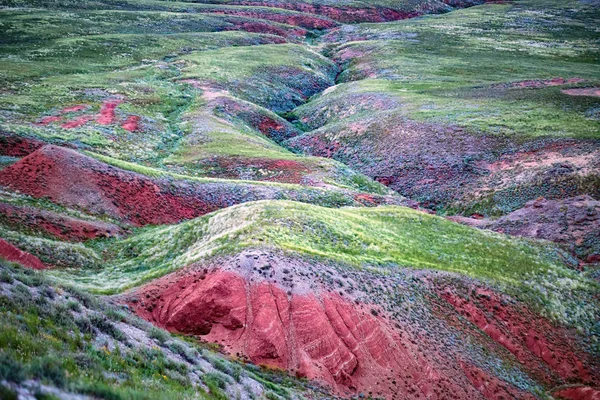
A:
(578, 393)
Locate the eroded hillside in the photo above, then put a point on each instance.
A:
(260, 178)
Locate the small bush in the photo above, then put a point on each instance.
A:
(159, 334)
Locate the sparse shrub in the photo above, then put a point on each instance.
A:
(104, 325)
(74, 305)
(49, 368)
(10, 369)
(183, 351)
(159, 334)
(6, 277)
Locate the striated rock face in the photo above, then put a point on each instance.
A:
(14, 254)
(319, 335)
(543, 348)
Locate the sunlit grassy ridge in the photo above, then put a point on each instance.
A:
(384, 238)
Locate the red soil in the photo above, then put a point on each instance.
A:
(340, 14)
(262, 169)
(318, 335)
(12, 253)
(61, 226)
(131, 124)
(69, 178)
(77, 122)
(269, 127)
(302, 20)
(534, 341)
(48, 120)
(578, 393)
(548, 82)
(107, 112)
(15, 146)
(590, 92)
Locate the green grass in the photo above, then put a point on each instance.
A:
(444, 68)
(383, 238)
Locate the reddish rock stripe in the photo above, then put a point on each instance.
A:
(340, 14)
(490, 387)
(107, 112)
(60, 226)
(578, 393)
(75, 108)
(49, 119)
(533, 340)
(14, 254)
(131, 124)
(77, 122)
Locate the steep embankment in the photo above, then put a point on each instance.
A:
(260, 307)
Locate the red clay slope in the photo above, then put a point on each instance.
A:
(534, 341)
(316, 334)
(70, 178)
(12, 253)
(75, 180)
(60, 226)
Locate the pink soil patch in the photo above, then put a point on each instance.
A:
(269, 127)
(15, 146)
(48, 120)
(367, 199)
(77, 122)
(131, 124)
(107, 112)
(320, 336)
(534, 341)
(60, 226)
(76, 108)
(578, 393)
(591, 92)
(285, 171)
(13, 254)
